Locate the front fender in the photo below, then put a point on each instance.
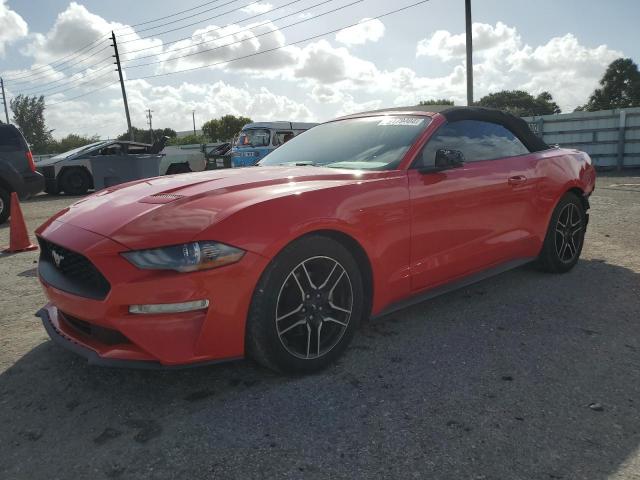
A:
(373, 213)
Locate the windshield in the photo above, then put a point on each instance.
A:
(70, 153)
(255, 137)
(370, 143)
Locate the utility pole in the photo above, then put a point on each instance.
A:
(124, 92)
(193, 115)
(469, 42)
(4, 100)
(150, 125)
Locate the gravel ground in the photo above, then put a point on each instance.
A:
(523, 376)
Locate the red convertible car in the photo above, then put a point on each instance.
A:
(280, 262)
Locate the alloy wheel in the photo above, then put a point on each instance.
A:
(567, 234)
(314, 307)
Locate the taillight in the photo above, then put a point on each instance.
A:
(32, 165)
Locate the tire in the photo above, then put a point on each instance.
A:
(74, 181)
(565, 235)
(5, 205)
(294, 332)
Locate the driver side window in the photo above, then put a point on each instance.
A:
(475, 139)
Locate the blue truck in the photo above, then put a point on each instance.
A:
(257, 140)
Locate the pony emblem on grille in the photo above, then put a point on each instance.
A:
(57, 258)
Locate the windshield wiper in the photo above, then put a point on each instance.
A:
(307, 163)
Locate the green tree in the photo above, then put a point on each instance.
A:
(189, 140)
(520, 103)
(144, 136)
(619, 87)
(438, 101)
(70, 142)
(224, 128)
(28, 115)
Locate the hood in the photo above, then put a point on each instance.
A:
(174, 209)
(48, 161)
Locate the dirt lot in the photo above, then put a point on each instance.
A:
(523, 376)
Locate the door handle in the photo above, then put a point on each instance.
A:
(517, 180)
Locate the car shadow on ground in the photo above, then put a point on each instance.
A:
(525, 375)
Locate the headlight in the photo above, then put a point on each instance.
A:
(185, 258)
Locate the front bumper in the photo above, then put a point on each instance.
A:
(50, 179)
(32, 184)
(55, 329)
(214, 334)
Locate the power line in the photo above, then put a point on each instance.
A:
(392, 12)
(64, 81)
(83, 95)
(314, 17)
(103, 37)
(171, 15)
(188, 17)
(195, 23)
(233, 33)
(58, 70)
(83, 81)
(74, 54)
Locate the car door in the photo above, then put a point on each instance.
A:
(467, 218)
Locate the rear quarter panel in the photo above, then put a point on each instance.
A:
(559, 170)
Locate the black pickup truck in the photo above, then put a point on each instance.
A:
(17, 169)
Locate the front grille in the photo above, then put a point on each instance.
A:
(71, 272)
(101, 334)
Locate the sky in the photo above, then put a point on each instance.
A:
(60, 49)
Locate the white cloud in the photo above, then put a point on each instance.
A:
(321, 62)
(256, 8)
(446, 46)
(171, 107)
(76, 27)
(564, 67)
(12, 27)
(368, 30)
(217, 45)
(324, 75)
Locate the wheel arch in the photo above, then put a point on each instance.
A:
(581, 195)
(361, 257)
(356, 249)
(66, 168)
(6, 186)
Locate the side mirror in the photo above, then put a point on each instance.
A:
(446, 158)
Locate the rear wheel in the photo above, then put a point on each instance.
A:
(306, 307)
(5, 205)
(75, 181)
(565, 235)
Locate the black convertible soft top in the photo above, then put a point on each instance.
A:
(518, 126)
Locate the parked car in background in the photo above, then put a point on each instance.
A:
(359, 216)
(17, 169)
(111, 162)
(257, 140)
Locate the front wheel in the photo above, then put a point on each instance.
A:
(75, 181)
(306, 307)
(565, 235)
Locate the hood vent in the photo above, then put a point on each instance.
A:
(161, 198)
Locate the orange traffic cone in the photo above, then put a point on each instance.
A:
(19, 238)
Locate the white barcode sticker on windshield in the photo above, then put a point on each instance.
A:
(401, 121)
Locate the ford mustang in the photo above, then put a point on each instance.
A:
(280, 262)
